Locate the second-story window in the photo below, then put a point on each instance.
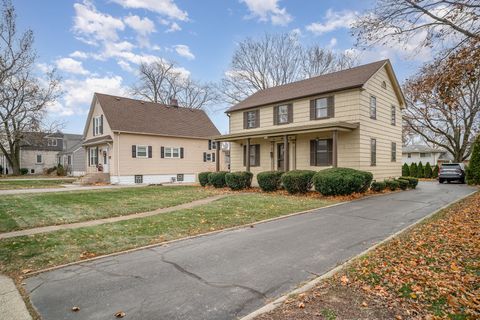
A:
(251, 119)
(98, 125)
(394, 116)
(52, 142)
(282, 114)
(322, 108)
(373, 107)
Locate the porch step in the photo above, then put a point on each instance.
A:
(92, 178)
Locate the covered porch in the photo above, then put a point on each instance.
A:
(294, 147)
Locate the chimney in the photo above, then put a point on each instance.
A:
(173, 102)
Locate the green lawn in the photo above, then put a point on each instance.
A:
(32, 184)
(44, 250)
(43, 209)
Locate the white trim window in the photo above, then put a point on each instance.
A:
(172, 153)
(251, 119)
(142, 151)
(373, 107)
(52, 142)
(283, 113)
(393, 120)
(93, 153)
(39, 159)
(97, 125)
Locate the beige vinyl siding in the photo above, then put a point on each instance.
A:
(97, 111)
(380, 129)
(346, 109)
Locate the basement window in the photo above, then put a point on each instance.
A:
(138, 179)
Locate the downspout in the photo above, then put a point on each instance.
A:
(118, 158)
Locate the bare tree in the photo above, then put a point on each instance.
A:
(23, 96)
(161, 81)
(443, 102)
(273, 60)
(446, 24)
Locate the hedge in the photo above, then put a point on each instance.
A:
(413, 170)
(392, 184)
(203, 178)
(217, 179)
(341, 181)
(405, 170)
(428, 171)
(403, 184)
(435, 172)
(412, 181)
(378, 186)
(473, 172)
(23, 171)
(269, 180)
(238, 180)
(298, 181)
(420, 170)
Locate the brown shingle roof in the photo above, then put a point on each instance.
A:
(130, 115)
(341, 80)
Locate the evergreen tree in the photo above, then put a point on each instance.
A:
(428, 171)
(473, 172)
(405, 170)
(420, 170)
(435, 172)
(413, 170)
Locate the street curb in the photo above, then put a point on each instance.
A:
(12, 306)
(312, 283)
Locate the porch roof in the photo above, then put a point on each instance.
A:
(98, 140)
(340, 126)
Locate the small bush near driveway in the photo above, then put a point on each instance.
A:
(238, 180)
(298, 181)
(269, 180)
(217, 179)
(341, 181)
(203, 178)
(403, 184)
(378, 186)
(412, 181)
(392, 184)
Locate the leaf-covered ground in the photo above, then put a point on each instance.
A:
(430, 272)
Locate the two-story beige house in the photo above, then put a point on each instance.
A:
(131, 141)
(351, 118)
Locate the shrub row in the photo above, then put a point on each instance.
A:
(342, 181)
(234, 180)
(393, 184)
(269, 180)
(420, 171)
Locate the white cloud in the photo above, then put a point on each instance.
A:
(79, 54)
(163, 7)
(332, 43)
(266, 10)
(92, 25)
(184, 51)
(174, 27)
(143, 26)
(43, 67)
(333, 20)
(71, 66)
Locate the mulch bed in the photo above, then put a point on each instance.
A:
(430, 272)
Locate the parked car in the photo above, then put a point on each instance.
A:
(451, 172)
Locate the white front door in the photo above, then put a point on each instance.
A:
(105, 161)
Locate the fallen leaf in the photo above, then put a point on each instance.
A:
(24, 271)
(120, 314)
(75, 309)
(344, 280)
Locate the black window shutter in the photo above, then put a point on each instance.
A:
(312, 110)
(89, 159)
(244, 156)
(101, 124)
(149, 151)
(93, 126)
(134, 151)
(312, 152)
(209, 144)
(181, 153)
(96, 155)
(257, 154)
(330, 152)
(290, 113)
(245, 120)
(257, 118)
(213, 157)
(331, 106)
(162, 152)
(275, 115)
(204, 157)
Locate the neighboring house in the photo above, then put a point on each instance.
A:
(73, 156)
(416, 153)
(40, 151)
(131, 141)
(351, 118)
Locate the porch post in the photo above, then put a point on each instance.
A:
(286, 153)
(217, 156)
(334, 149)
(272, 155)
(247, 155)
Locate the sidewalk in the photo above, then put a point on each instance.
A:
(66, 188)
(12, 306)
(91, 223)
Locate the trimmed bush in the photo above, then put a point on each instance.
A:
(420, 170)
(403, 184)
(392, 184)
(217, 179)
(428, 171)
(238, 180)
(61, 171)
(412, 181)
(341, 181)
(435, 172)
(298, 181)
(23, 171)
(269, 180)
(473, 172)
(413, 170)
(378, 186)
(405, 170)
(203, 178)
(248, 178)
(50, 170)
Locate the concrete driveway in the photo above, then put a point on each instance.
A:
(230, 274)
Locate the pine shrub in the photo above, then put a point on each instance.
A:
(405, 170)
(435, 172)
(420, 170)
(473, 172)
(413, 170)
(428, 171)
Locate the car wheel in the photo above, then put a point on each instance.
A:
(462, 181)
(448, 181)
(440, 181)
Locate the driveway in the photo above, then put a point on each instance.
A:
(230, 274)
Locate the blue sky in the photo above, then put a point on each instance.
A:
(97, 45)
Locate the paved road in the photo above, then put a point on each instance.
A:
(230, 274)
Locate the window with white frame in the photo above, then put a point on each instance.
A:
(39, 158)
(142, 151)
(373, 152)
(373, 107)
(97, 125)
(394, 116)
(172, 152)
(394, 152)
(283, 114)
(69, 160)
(52, 142)
(251, 119)
(321, 108)
(425, 154)
(93, 156)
